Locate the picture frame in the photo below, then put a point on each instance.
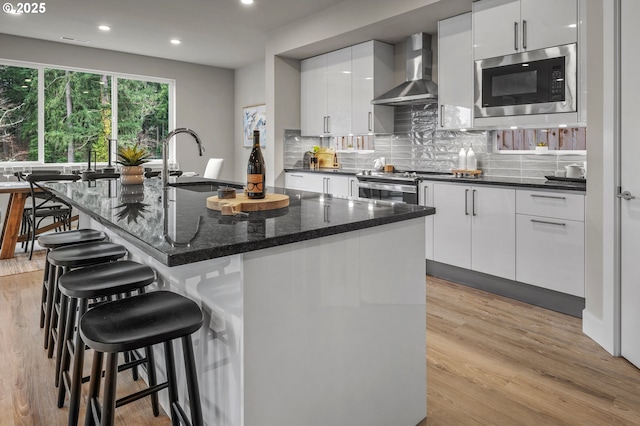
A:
(254, 117)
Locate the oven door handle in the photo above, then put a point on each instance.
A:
(411, 189)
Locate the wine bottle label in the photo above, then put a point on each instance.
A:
(254, 183)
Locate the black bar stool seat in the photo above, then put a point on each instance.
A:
(135, 322)
(77, 287)
(52, 241)
(65, 259)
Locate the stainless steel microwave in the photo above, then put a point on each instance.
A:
(536, 82)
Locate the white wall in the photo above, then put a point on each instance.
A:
(249, 90)
(204, 95)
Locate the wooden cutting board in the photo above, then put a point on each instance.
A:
(242, 203)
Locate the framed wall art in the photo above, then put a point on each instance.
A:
(254, 118)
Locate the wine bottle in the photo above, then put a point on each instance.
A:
(256, 170)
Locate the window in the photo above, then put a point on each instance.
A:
(143, 114)
(79, 113)
(18, 114)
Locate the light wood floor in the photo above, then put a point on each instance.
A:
(490, 361)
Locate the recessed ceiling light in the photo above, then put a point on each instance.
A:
(562, 125)
(104, 28)
(513, 127)
(246, 1)
(175, 41)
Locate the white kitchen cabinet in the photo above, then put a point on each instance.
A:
(550, 240)
(474, 228)
(371, 76)
(325, 94)
(425, 198)
(337, 89)
(504, 27)
(455, 72)
(318, 182)
(339, 92)
(313, 95)
(354, 191)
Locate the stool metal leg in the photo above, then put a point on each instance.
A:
(63, 360)
(153, 380)
(172, 383)
(192, 382)
(45, 290)
(59, 333)
(51, 293)
(110, 385)
(93, 403)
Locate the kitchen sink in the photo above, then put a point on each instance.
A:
(204, 186)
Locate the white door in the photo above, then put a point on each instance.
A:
(452, 224)
(496, 28)
(339, 92)
(493, 231)
(542, 29)
(313, 95)
(630, 209)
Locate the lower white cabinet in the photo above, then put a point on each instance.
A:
(550, 241)
(425, 198)
(319, 182)
(474, 228)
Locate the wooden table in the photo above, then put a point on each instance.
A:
(18, 194)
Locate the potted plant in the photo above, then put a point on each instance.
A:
(131, 159)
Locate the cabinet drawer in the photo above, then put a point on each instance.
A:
(295, 181)
(558, 205)
(550, 253)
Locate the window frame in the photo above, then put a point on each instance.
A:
(40, 67)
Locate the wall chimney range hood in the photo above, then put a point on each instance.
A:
(418, 89)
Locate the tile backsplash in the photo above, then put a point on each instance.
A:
(418, 145)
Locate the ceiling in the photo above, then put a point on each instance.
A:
(222, 33)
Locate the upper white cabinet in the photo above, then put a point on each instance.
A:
(504, 27)
(474, 228)
(325, 94)
(455, 72)
(337, 89)
(371, 76)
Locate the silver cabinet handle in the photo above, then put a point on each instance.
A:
(328, 124)
(548, 196)
(626, 195)
(515, 36)
(548, 223)
(425, 191)
(300, 176)
(370, 121)
(351, 182)
(442, 115)
(524, 34)
(328, 185)
(473, 202)
(466, 202)
(324, 124)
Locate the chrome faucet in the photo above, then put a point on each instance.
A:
(165, 148)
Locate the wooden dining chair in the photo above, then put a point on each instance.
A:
(41, 201)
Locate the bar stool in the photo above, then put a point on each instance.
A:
(130, 324)
(50, 242)
(65, 259)
(77, 287)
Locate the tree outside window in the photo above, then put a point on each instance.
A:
(18, 114)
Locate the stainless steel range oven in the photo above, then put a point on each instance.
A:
(395, 186)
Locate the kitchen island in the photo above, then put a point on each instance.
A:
(314, 313)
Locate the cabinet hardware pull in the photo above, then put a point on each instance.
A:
(473, 202)
(324, 124)
(466, 202)
(548, 223)
(300, 176)
(370, 121)
(515, 36)
(442, 115)
(524, 34)
(424, 200)
(328, 124)
(626, 195)
(548, 196)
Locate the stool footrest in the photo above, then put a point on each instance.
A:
(180, 414)
(141, 394)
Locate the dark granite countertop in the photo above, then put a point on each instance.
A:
(524, 183)
(341, 171)
(482, 180)
(142, 219)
